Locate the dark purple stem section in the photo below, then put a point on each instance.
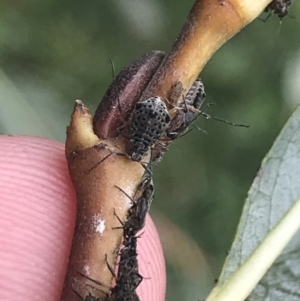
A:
(119, 100)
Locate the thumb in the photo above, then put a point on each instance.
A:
(37, 220)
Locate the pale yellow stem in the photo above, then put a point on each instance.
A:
(244, 280)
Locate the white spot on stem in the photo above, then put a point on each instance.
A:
(99, 224)
(86, 270)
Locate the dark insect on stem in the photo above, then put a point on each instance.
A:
(149, 121)
(147, 188)
(144, 121)
(128, 278)
(146, 125)
(188, 110)
(279, 8)
(135, 217)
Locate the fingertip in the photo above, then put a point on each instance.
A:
(36, 219)
(151, 264)
(37, 222)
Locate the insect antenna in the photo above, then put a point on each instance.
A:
(280, 25)
(191, 123)
(271, 13)
(145, 165)
(102, 146)
(89, 297)
(121, 222)
(93, 280)
(132, 200)
(146, 181)
(207, 116)
(196, 127)
(98, 163)
(116, 86)
(75, 291)
(224, 121)
(106, 157)
(94, 289)
(110, 268)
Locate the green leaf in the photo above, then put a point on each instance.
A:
(272, 206)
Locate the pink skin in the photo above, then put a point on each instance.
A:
(37, 217)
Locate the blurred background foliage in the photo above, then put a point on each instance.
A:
(53, 52)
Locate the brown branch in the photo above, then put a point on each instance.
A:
(95, 150)
(97, 199)
(210, 24)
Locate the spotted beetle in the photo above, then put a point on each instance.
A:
(149, 121)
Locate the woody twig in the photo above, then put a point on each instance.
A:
(210, 24)
(98, 164)
(96, 151)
